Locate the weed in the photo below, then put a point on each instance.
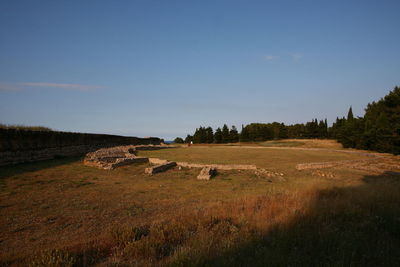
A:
(134, 210)
(123, 236)
(55, 257)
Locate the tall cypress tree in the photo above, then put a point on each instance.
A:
(350, 114)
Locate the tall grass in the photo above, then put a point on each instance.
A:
(347, 226)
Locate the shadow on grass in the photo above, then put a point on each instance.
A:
(11, 170)
(352, 226)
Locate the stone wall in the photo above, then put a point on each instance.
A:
(17, 146)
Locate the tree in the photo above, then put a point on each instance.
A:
(233, 135)
(322, 129)
(225, 134)
(200, 135)
(196, 136)
(283, 131)
(209, 135)
(244, 135)
(378, 130)
(350, 116)
(188, 139)
(178, 140)
(218, 136)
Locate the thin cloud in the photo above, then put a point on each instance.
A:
(65, 86)
(270, 57)
(9, 87)
(297, 56)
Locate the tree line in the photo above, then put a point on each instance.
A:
(378, 129)
(255, 132)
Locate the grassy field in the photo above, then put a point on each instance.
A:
(62, 212)
(283, 160)
(303, 143)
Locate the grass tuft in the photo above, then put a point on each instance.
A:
(55, 257)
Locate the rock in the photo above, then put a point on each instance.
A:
(126, 161)
(110, 158)
(157, 161)
(160, 168)
(217, 166)
(206, 173)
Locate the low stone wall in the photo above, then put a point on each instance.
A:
(14, 157)
(331, 164)
(226, 167)
(160, 168)
(17, 146)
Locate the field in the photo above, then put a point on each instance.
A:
(62, 212)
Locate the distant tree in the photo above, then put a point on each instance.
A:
(312, 129)
(350, 115)
(218, 136)
(283, 131)
(326, 134)
(188, 139)
(322, 129)
(196, 136)
(296, 131)
(378, 130)
(200, 135)
(276, 129)
(209, 135)
(225, 134)
(244, 135)
(178, 140)
(233, 135)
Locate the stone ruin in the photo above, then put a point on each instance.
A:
(160, 167)
(207, 173)
(110, 158)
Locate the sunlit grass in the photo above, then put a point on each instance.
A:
(124, 217)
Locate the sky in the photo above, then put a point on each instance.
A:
(163, 68)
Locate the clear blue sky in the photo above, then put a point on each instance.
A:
(162, 68)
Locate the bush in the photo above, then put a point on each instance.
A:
(178, 140)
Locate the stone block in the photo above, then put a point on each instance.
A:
(207, 173)
(160, 168)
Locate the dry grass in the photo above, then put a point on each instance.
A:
(62, 212)
(304, 143)
(281, 160)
